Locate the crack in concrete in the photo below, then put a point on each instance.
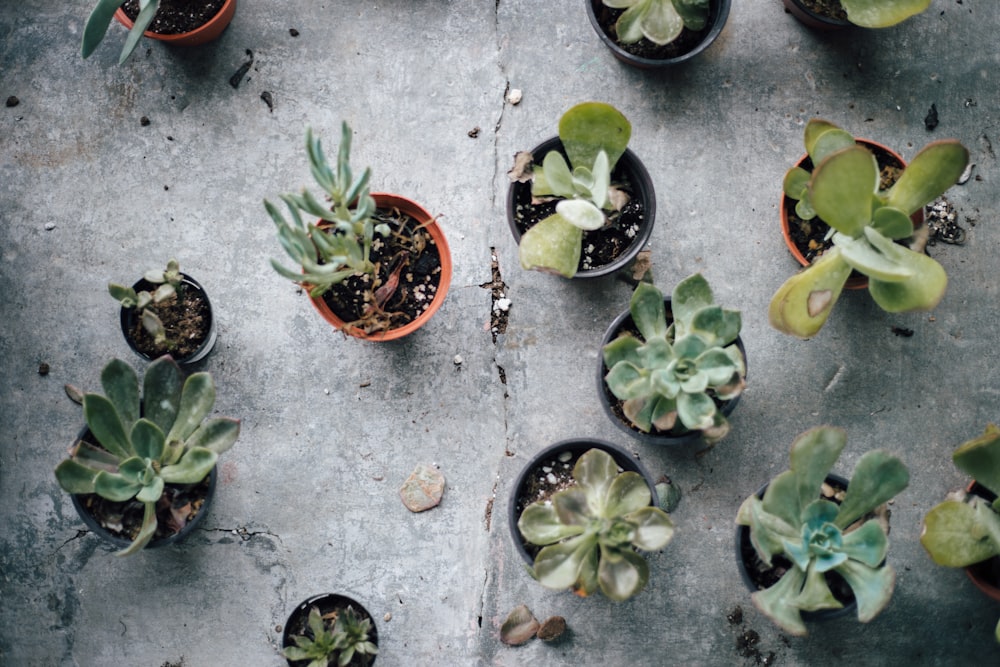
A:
(243, 533)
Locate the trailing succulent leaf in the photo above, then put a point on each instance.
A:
(672, 373)
(327, 254)
(882, 13)
(332, 646)
(594, 136)
(590, 531)
(659, 21)
(865, 222)
(818, 535)
(173, 442)
(168, 281)
(100, 18)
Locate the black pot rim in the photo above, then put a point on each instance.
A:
(126, 317)
(643, 184)
(811, 19)
(662, 439)
(121, 542)
(625, 460)
(333, 600)
(718, 17)
(743, 533)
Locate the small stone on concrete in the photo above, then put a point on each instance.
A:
(423, 489)
(514, 96)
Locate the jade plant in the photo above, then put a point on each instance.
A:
(168, 282)
(590, 531)
(965, 529)
(882, 13)
(101, 17)
(162, 438)
(659, 21)
(817, 535)
(332, 252)
(865, 223)
(349, 637)
(594, 136)
(672, 374)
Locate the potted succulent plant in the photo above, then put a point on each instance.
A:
(330, 629)
(580, 511)
(811, 534)
(844, 190)
(581, 204)
(657, 33)
(166, 312)
(673, 368)
(836, 14)
(141, 470)
(376, 266)
(964, 530)
(180, 22)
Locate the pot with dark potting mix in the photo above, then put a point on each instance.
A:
(818, 14)
(182, 22)
(330, 629)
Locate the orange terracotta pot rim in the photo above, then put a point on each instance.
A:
(429, 222)
(208, 31)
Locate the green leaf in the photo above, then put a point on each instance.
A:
(932, 171)
(539, 524)
(148, 440)
(590, 127)
(595, 473)
(571, 506)
(74, 477)
(877, 478)
(694, 12)
(872, 587)
(142, 22)
(803, 303)
(649, 314)
(107, 427)
(558, 565)
(151, 492)
(795, 183)
(557, 176)
(653, 528)
(197, 399)
(581, 213)
(980, 458)
(193, 467)
(629, 24)
(624, 348)
(146, 533)
(161, 391)
(922, 291)
(768, 532)
(868, 544)
(815, 128)
(882, 13)
(121, 387)
(696, 411)
(123, 294)
(626, 381)
(717, 326)
(829, 142)
(114, 486)
(217, 434)
(622, 577)
(954, 533)
(628, 493)
(690, 296)
(892, 223)
(843, 188)
(97, 25)
(775, 602)
(864, 257)
(815, 593)
(553, 245)
(660, 22)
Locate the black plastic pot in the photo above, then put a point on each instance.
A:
(813, 20)
(744, 547)
(122, 542)
(297, 623)
(577, 447)
(718, 14)
(608, 400)
(629, 168)
(128, 318)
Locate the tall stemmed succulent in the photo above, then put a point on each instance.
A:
(675, 372)
(594, 136)
(162, 438)
(329, 254)
(843, 190)
(965, 529)
(659, 21)
(818, 535)
(101, 17)
(590, 531)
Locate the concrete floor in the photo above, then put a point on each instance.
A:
(332, 426)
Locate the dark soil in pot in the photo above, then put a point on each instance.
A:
(647, 54)
(986, 574)
(830, 9)
(174, 17)
(186, 316)
(328, 604)
(408, 258)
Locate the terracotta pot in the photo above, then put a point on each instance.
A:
(577, 447)
(718, 14)
(326, 602)
(608, 400)
(744, 549)
(127, 319)
(206, 33)
(984, 574)
(629, 168)
(856, 280)
(813, 20)
(426, 220)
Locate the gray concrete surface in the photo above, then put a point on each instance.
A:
(332, 426)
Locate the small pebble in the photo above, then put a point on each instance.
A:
(458, 360)
(387, 617)
(43, 368)
(12, 101)
(326, 391)
(564, 457)
(144, 121)
(503, 304)
(551, 479)
(514, 96)
(295, 33)
(49, 226)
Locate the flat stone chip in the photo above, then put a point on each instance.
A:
(423, 489)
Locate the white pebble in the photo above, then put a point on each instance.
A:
(50, 226)
(551, 478)
(458, 360)
(503, 304)
(514, 96)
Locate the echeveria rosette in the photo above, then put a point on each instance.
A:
(589, 532)
(820, 536)
(659, 21)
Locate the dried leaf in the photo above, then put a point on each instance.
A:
(521, 171)
(74, 393)
(618, 198)
(520, 626)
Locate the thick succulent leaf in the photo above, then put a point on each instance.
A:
(590, 127)
(872, 587)
(114, 486)
(625, 381)
(97, 25)
(812, 457)
(539, 524)
(815, 593)
(776, 602)
(980, 458)
(558, 565)
(717, 366)
(197, 399)
(842, 189)
(148, 440)
(640, 412)
(877, 478)
(660, 23)
(581, 213)
(795, 182)
(649, 313)
(653, 528)
(804, 209)
(815, 128)
(216, 434)
(622, 574)
(923, 291)
(716, 326)
(594, 473)
(624, 348)
(932, 171)
(829, 142)
(664, 413)
(803, 303)
(690, 296)
(192, 468)
(782, 499)
(103, 421)
(146, 533)
(74, 477)
(629, 24)
(892, 223)
(867, 544)
(121, 387)
(151, 492)
(864, 257)
(768, 532)
(694, 12)
(818, 513)
(161, 391)
(601, 185)
(882, 14)
(689, 347)
(553, 245)
(142, 21)
(558, 179)
(696, 411)
(572, 507)
(628, 493)
(694, 383)
(955, 534)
